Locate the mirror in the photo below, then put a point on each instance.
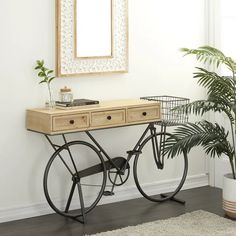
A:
(92, 36)
(93, 28)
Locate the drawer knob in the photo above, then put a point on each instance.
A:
(144, 113)
(72, 122)
(109, 117)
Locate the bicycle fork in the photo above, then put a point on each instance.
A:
(158, 147)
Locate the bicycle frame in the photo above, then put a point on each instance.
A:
(155, 145)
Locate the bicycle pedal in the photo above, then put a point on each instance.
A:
(133, 152)
(108, 193)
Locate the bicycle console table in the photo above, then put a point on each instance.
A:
(80, 165)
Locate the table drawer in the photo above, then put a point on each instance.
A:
(108, 118)
(143, 114)
(70, 122)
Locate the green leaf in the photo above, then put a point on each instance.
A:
(212, 56)
(40, 63)
(50, 80)
(49, 72)
(41, 74)
(43, 81)
(211, 136)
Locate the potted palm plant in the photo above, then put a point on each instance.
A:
(215, 139)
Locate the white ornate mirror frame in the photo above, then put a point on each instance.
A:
(112, 57)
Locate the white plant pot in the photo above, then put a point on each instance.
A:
(229, 195)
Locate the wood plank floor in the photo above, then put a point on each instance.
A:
(117, 215)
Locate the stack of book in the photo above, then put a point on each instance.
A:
(76, 103)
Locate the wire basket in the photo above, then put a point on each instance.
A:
(169, 116)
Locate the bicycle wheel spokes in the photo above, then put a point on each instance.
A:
(70, 197)
(65, 164)
(60, 185)
(168, 178)
(81, 199)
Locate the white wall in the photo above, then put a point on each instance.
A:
(157, 29)
(223, 18)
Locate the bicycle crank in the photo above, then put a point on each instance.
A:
(119, 177)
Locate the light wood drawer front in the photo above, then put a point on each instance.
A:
(70, 122)
(143, 114)
(108, 118)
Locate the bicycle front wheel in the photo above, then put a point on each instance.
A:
(159, 179)
(74, 179)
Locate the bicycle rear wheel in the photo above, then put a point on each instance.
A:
(151, 177)
(74, 179)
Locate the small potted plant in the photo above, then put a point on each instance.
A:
(46, 76)
(213, 137)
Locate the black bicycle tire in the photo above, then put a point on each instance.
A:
(55, 154)
(167, 197)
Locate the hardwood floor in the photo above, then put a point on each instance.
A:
(117, 215)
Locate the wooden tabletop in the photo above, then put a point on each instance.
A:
(106, 114)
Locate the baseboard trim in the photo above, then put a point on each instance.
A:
(131, 192)
(121, 194)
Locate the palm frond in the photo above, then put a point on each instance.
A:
(221, 95)
(211, 136)
(200, 107)
(221, 104)
(216, 84)
(211, 56)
